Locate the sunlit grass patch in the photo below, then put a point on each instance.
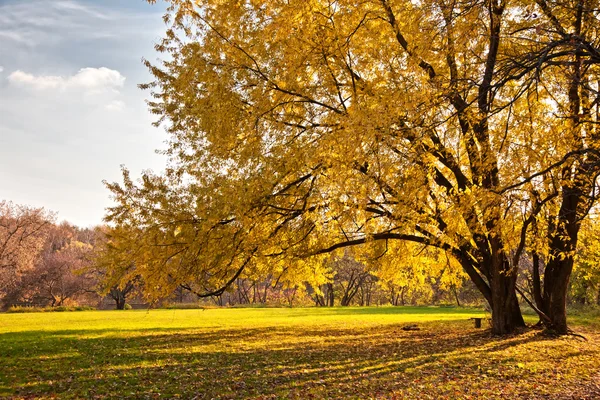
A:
(287, 353)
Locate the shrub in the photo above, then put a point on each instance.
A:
(32, 309)
(186, 306)
(24, 309)
(84, 308)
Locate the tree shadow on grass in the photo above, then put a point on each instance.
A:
(247, 363)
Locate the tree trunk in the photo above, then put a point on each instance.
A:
(120, 301)
(537, 285)
(266, 292)
(556, 286)
(506, 313)
(496, 280)
(563, 242)
(456, 295)
(368, 292)
(319, 301)
(292, 296)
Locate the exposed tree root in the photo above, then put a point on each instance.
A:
(571, 332)
(549, 331)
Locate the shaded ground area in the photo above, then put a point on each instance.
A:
(307, 353)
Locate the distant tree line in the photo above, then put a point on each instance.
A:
(49, 264)
(46, 264)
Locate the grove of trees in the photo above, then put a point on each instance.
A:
(43, 263)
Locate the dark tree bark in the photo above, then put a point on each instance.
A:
(537, 284)
(455, 292)
(120, 302)
(119, 295)
(330, 294)
(327, 299)
(506, 313)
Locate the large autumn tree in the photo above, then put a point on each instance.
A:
(300, 127)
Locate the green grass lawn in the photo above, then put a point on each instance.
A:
(289, 353)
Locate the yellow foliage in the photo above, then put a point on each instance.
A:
(298, 127)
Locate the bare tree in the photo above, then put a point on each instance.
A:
(23, 231)
(60, 271)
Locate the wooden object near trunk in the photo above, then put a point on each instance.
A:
(477, 322)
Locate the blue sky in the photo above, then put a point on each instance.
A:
(70, 109)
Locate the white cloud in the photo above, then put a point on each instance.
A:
(77, 7)
(115, 105)
(35, 82)
(1, 69)
(89, 80)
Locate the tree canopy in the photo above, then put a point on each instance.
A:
(301, 127)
